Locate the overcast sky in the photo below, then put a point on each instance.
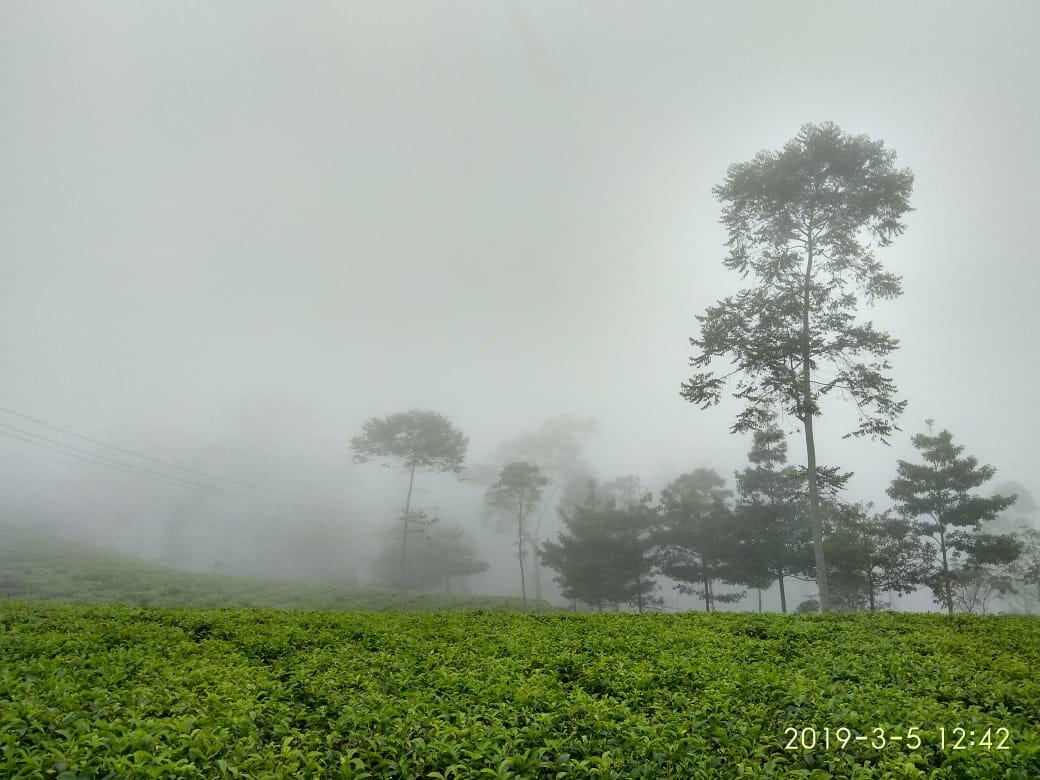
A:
(498, 210)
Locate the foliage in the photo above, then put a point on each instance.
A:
(694, 540)
(436, 557)
(1020, 516)
(419, 439)
(555, 446)
(604, 554)
(112, 691)
(802, 222)
(770, 524)
(624, 491)
(938, 497)
(870, 554)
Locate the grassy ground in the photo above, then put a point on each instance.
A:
(34, 565)
(116, 691)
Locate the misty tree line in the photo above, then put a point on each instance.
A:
(803, 224)
(618, 543)
(712, 542)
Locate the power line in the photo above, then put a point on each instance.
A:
(159, 461)
(103, 460)
(125, 468)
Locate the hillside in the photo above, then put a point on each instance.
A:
(38, 566)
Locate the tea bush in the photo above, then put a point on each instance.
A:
(115, 691)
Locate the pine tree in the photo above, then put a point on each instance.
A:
(770, 522)
(604, 554)
(937, 496)
(695, 539)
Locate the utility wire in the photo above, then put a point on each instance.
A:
(158, 461)
(103, 460)
(127, 469)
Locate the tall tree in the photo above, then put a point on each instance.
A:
(420, 441)
(803, 223)
(771, 525)
(937, 496)
(518, 492)
(695, 538)
(870, 554)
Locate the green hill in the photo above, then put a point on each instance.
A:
(38, 566)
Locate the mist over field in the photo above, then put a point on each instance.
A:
(230, 235)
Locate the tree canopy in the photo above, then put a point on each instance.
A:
(419, 439)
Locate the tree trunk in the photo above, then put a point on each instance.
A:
(520, 553)
(537, 538)
(759, 600)
(783, 593)
(537, 568)
(404, 530)
(947, 586)
(808, 409)
(870, 589)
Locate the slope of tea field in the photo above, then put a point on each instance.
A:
(38, 566)
(115, 691)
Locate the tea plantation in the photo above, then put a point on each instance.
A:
(118, 691)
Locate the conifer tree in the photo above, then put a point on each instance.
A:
(696, 537)
(771, 523)
(937, 496)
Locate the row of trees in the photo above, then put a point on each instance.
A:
(708, 541)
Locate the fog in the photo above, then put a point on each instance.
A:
(230, 233)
